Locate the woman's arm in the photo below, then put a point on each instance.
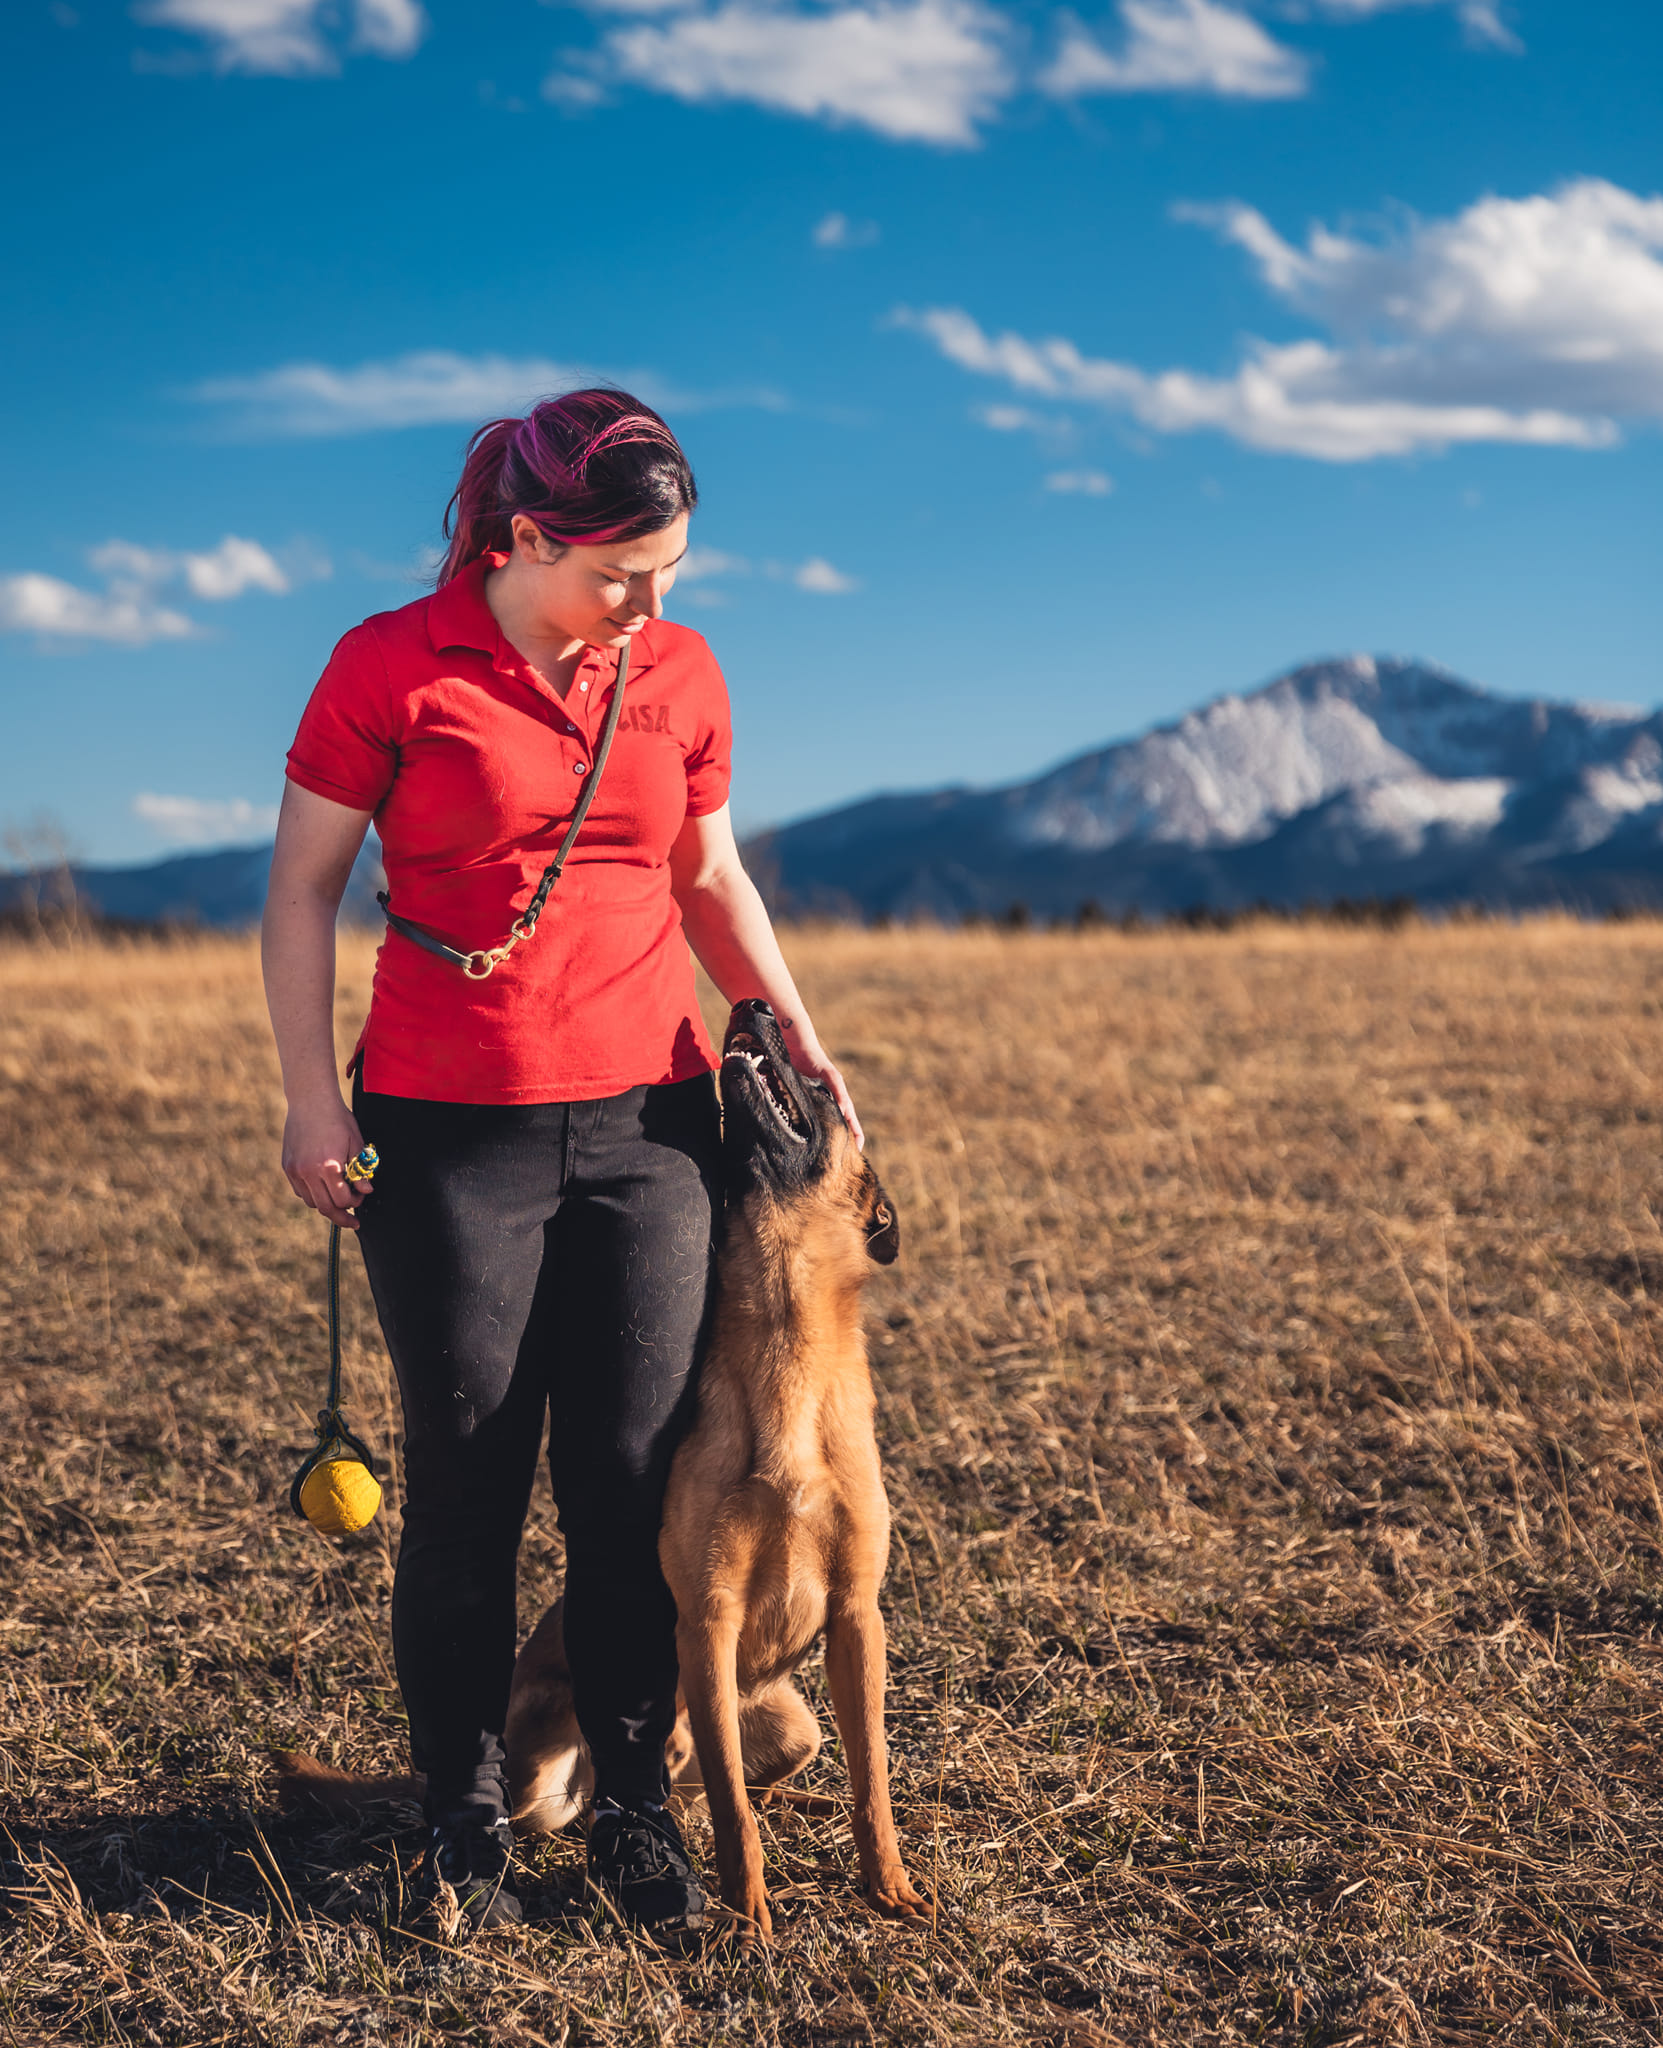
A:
(317, 842)
(728, 929)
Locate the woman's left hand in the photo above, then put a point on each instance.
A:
(810, 1059)
(728, 929)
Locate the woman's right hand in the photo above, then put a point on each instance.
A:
(318, 1140)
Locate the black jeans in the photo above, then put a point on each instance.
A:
(528, 1257)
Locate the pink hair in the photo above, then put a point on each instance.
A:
(588, 467)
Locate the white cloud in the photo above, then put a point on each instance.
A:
(279, 37)
(701, 567)
(1296, 400)
(288, 38)
(388, 28)
(838, 231)
(222, 572)
(1054, 431)
(573, 92)
(1480, 18)
(1552, 300)
(818, 575)
(1177, 46)
(698, 565)
(1086, 483)
(231, 568)
(127, 611)
(913, 70)
(938, 71)
(205, 821)
(427, 387)
(1012, 419)
(1536, 321)
(127, 616)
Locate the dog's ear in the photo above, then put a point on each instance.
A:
(883, 1227)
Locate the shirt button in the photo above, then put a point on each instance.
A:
(578, 768)
(583, 686)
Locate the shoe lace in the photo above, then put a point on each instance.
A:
(641, 1843)
(461, 1854)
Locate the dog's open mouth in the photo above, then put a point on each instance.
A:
(745, 1050)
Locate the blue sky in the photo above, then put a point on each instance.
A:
(1045, 373)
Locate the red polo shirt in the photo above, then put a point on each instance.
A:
(472, 766)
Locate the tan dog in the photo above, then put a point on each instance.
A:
(776, 1525)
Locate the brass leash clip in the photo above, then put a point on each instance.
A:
(479, 965)
(361, 1167)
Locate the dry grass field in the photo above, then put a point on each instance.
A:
(1268, 1393)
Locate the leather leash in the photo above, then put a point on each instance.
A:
(479, 964)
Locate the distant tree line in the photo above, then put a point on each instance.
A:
(40, 898)
(1359, 913)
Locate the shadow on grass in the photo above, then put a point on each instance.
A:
(197, 1856)
(292, 1865)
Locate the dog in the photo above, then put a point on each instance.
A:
(775, 1525)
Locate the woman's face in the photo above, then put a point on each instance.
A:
(601, 595)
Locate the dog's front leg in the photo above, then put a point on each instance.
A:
(855, 1669)
(707, 1644)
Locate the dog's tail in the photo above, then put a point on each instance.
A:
(303, 1780)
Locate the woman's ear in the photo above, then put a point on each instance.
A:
(531, 542)
(883, 1228)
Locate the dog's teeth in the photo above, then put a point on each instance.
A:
(785, 1110)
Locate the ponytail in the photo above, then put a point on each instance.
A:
(474, 520)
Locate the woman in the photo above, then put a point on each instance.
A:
(539, 1235)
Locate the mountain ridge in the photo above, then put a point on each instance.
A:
(1354, 776)
(221, 887)
(1357, 775)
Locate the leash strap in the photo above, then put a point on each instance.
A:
(333, 1433)
(478, 965)
(333, 1397)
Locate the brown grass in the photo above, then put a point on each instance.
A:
(1268, 1390)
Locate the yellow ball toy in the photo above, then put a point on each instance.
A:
(340, 1495)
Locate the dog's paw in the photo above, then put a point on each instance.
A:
(895, 1897)
(748, 1927)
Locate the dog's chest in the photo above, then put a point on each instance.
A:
(785, 1600)
(797, 1504)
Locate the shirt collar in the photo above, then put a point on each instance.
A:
(458, 616)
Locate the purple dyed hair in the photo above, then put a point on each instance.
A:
(589, 467)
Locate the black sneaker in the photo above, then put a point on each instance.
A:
(465, 1885)
(637, 1857)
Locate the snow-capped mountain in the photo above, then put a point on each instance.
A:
(1350, 777)
(1358, 777)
